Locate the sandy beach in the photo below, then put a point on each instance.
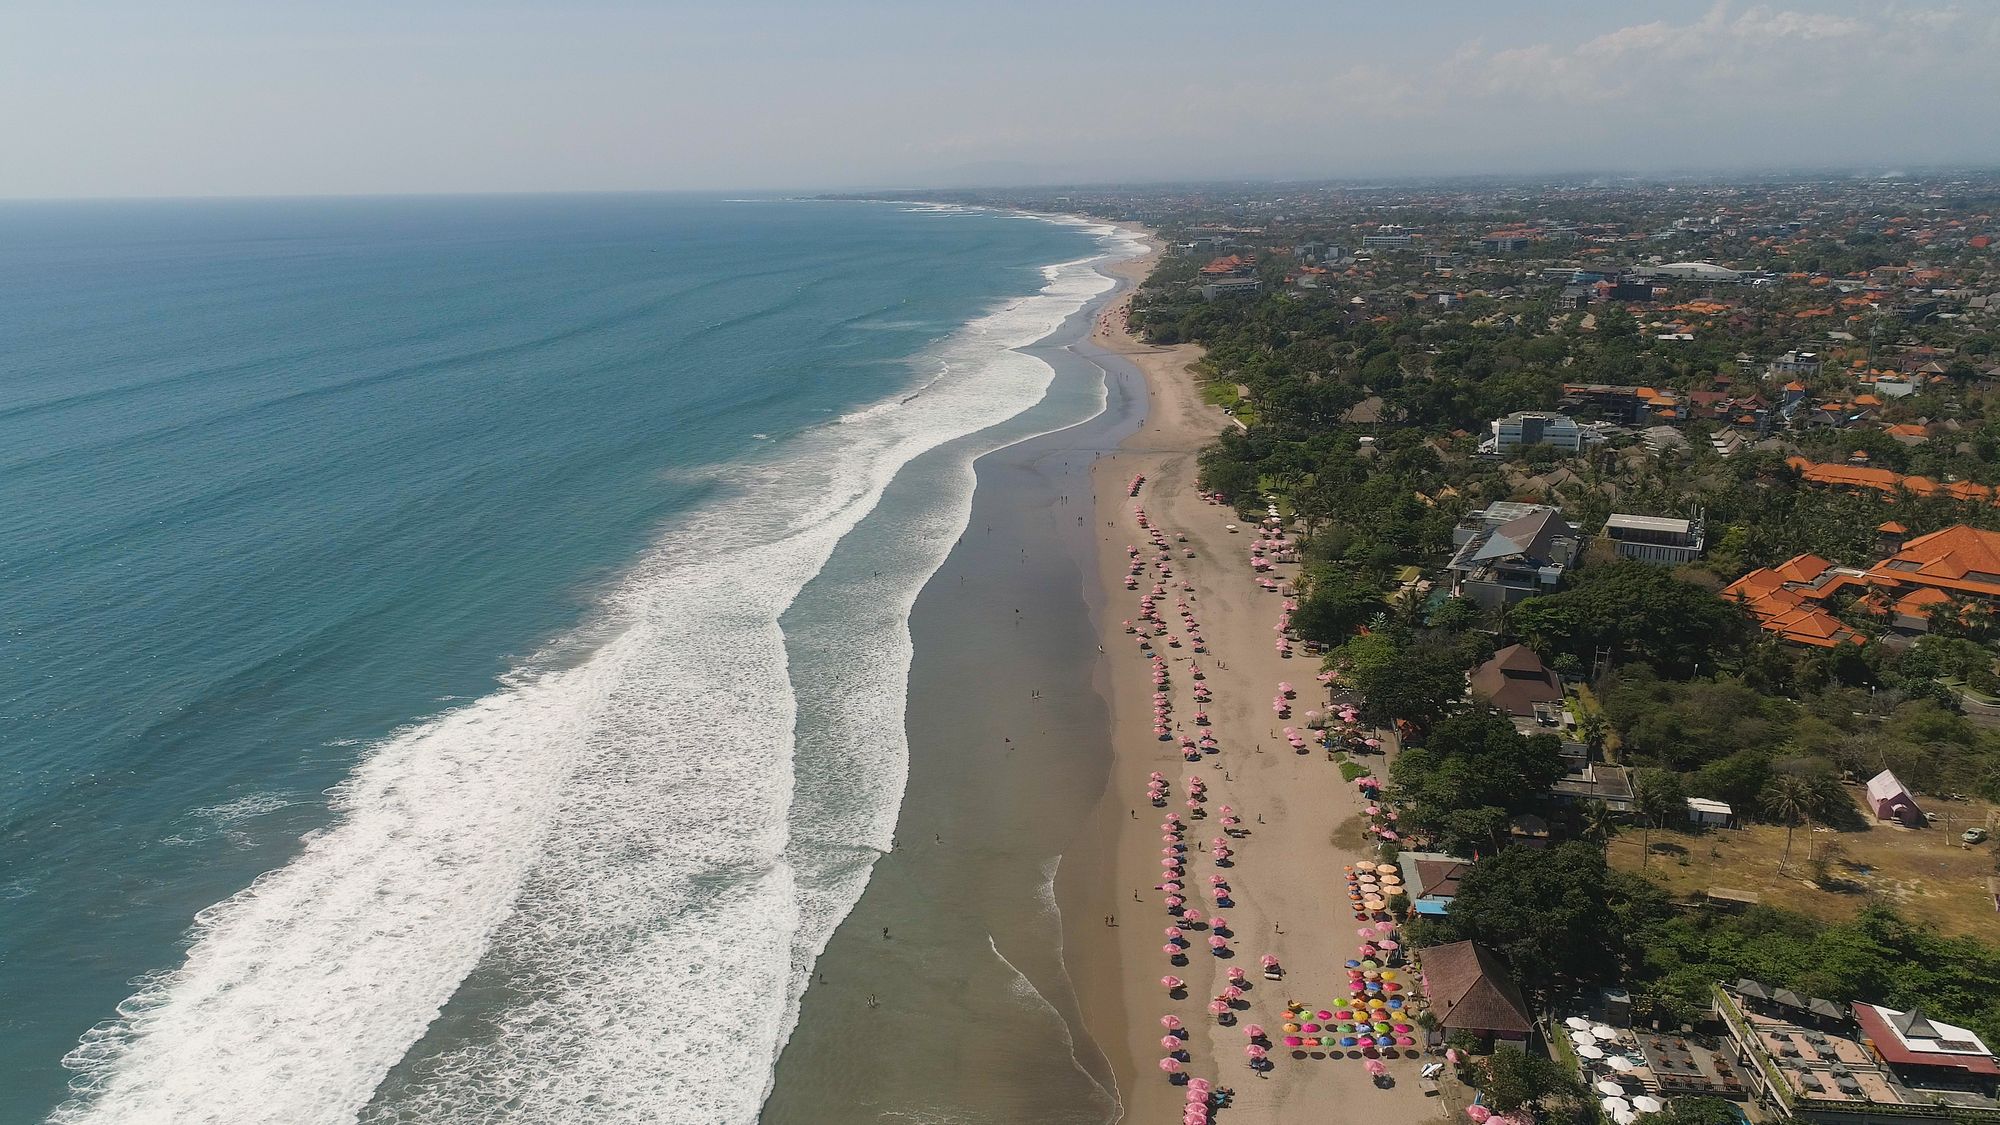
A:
(1300, 821)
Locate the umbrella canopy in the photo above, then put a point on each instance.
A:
(1604, 1033)
(1574, 1023)
(1609, 1088)
(1646, 1103)
(1621, 1064)
(1613, 1105)
(1591, 1051)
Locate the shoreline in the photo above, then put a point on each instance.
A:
(943, 994)
(1301, 821)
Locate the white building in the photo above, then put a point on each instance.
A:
(1535, 427)
(1655, 539)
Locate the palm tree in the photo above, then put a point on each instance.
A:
(1824, 797)
(1598, 822)
(1658, 798)
(1790, 799)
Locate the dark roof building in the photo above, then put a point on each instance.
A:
(1501, 561)
(1470, 990)
(1515, 680)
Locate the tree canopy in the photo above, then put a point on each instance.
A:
(1639, 612)
(1550, 911)
(1472, 773)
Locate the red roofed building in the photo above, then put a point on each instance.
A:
(1907, 588)
(1785, 599)
(1924, 1051)
(1957, 560)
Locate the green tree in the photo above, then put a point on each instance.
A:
(1511, 1080)
(1789, 799)
(1337, 605)
(1639, 612)
(1548, 911)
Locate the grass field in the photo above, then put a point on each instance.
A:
(1926, 875)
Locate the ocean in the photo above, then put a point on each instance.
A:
(457, 649)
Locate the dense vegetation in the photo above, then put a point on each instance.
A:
(1567, 922)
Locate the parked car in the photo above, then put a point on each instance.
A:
(1973, 835)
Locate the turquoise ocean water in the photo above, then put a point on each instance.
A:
(395, 722)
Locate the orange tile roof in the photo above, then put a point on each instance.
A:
(1801, 568)
(1918, 601)
(1882, 480)
(1893, 528)
(1957, 558)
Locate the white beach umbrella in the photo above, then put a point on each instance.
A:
(1607, 1034)
(1577, 1023)
(1591, 1051)
(1621, 1064)
(1646, 1103)
(1610, 1088)
(1613, 1105)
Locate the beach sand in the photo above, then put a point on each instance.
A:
(1303, 821)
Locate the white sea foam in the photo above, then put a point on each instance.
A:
(610, 843)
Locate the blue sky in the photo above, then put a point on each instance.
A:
(214, 97)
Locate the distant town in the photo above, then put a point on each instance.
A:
(1657, 519)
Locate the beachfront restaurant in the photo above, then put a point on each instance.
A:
(1838, 1064)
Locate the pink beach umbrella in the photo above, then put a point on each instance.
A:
(1218, 1007)
(1221, 923)
(1170, 949)
(1232, 993)
(1215, 942)
(1236, 974)
(1254, 1051)
(1478, 1113)
(1268, 961)
(1170, 1065)
(1171, 982)
(1171, 1022)
(1376, 1068)
(1170, 1043)
(1254, 1031)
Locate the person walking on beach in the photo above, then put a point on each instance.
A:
(885, 933)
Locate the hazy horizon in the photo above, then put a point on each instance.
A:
(229, 98)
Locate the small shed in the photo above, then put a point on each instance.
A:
(1889, 800)
(1707, 813)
